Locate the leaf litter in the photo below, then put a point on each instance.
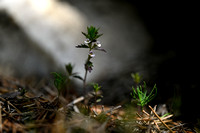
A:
(24, 109)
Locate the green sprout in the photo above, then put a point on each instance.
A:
(136, 77)
(96, 87)
(97, 97)
(59, 81)
(63, 81)
(140, 94)
(91, 43)
(92, 33)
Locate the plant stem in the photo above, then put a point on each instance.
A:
(85, 77)
(84, 82)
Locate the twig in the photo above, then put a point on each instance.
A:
(178, 126)
(18, 111)
(76, 101)
(95, 112)
(90, 95)
(76, 109)
(156, 125)
(138, 115)
(114, 108)
(166, 117)
(2, 99)
(102, 108)
(160, 119)
(145, 112)
(146, 119)
(165, 121)
(1, 126)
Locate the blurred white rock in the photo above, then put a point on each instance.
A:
(56, 28)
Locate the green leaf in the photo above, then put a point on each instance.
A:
(85, 34)
(140, 94)
(136, 77)
(88, 64)
(82, 46)
(92, 33)
(96, 87)
(69, 68)
(98, 100)
(78, 77)
(59, 81)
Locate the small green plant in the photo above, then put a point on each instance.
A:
(96, 89)
(97, 96)
(136, 78)
(140, 94)
(90, 43)
(63, 81)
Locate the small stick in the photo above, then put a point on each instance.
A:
(146, 119)
(138, 115)
(95, 112)
(18, 111)
(145, 112)
(2, 99)
(76, 109)
(117, 107)
(76, 101)
(141, 118)
(157, 126)
(102, 108)
(1, 126)
(166, 117)
(178, 126)
(160, 119)
(165, 121)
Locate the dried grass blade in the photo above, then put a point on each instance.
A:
(160, 119)
(1, 126)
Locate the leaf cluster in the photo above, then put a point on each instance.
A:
(92, 33)
(97, 97)
(136, 77)
(89, 65)
(96, 87)
(62, 80)
(142, 96)
(59, 81)
(69, 68)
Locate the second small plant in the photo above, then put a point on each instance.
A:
(140, 93)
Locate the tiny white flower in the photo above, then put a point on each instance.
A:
(97, 43)
(91, 54)
(87, 41)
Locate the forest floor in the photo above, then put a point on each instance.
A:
(27, 106)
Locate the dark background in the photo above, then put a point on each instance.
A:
(173, 27)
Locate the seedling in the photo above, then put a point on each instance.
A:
(140, 94)
(136, 78)
(97, 96)
(63, 81)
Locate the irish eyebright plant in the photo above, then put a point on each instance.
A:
(92, 44)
